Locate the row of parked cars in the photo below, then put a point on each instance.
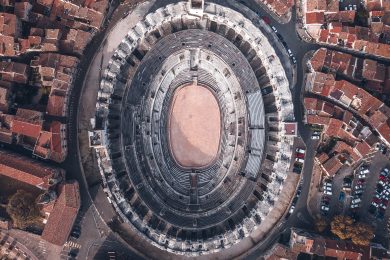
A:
(358, 189)
(299, 160)
(316, 135)
(382, 195)
(325, 200)
(290, 54)
(295, 200)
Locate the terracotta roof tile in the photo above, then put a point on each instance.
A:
(332, 166)
(28, 171)
(315, 18)
(61, 220)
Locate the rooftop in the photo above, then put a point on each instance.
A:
(61, 220)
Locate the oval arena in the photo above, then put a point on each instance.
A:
(194, 126)
(193, 108)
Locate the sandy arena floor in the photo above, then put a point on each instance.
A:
(194, 126)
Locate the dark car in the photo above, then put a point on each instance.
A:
(73, 252)
(372, 209)
(361, 181)
(297, 170)
(381, 214)
(341, 196)
(75, 234)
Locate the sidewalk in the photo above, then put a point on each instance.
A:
(281, 19)
(314, 194)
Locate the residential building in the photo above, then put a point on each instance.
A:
(29, 171)
(63, 216)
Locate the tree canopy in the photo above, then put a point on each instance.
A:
(320, 225)
(345, 228)
(23, 209)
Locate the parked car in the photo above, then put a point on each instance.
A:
(354, 206)
(358, 192)
(299, 160)
(325, 198)
(372, 209)
(294, 60)
(274, 29)
(315, 137)
(325, 208)
(361, 181)
(376, 205)
(299, 150)
(341, 196)
(380, 215)
(361, 176)
(347, 183)
(297, 170)
(359, 187)
(356, 200)
(328, 192)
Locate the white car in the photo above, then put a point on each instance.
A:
(328, 188)
(385, 196)
(358, 191)
(353, 206)
(315, 137)
(274, 29)
(328, 192)
(365, 171)
(291, 209)
(358, 187)
(374, 204)
(361, 176)
(299, 150)
(356, 201)
(324, 208)
(299, 160)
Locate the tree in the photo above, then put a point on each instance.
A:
(320, 225)
(23, 209)
(362, 234)
(341, 226)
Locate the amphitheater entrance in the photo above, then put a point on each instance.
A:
(194, 126)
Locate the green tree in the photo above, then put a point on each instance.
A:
(23, 209)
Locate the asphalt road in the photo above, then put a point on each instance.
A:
(300, 217)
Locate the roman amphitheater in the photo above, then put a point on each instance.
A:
(192, 108)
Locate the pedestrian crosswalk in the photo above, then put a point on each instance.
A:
(73, 244)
